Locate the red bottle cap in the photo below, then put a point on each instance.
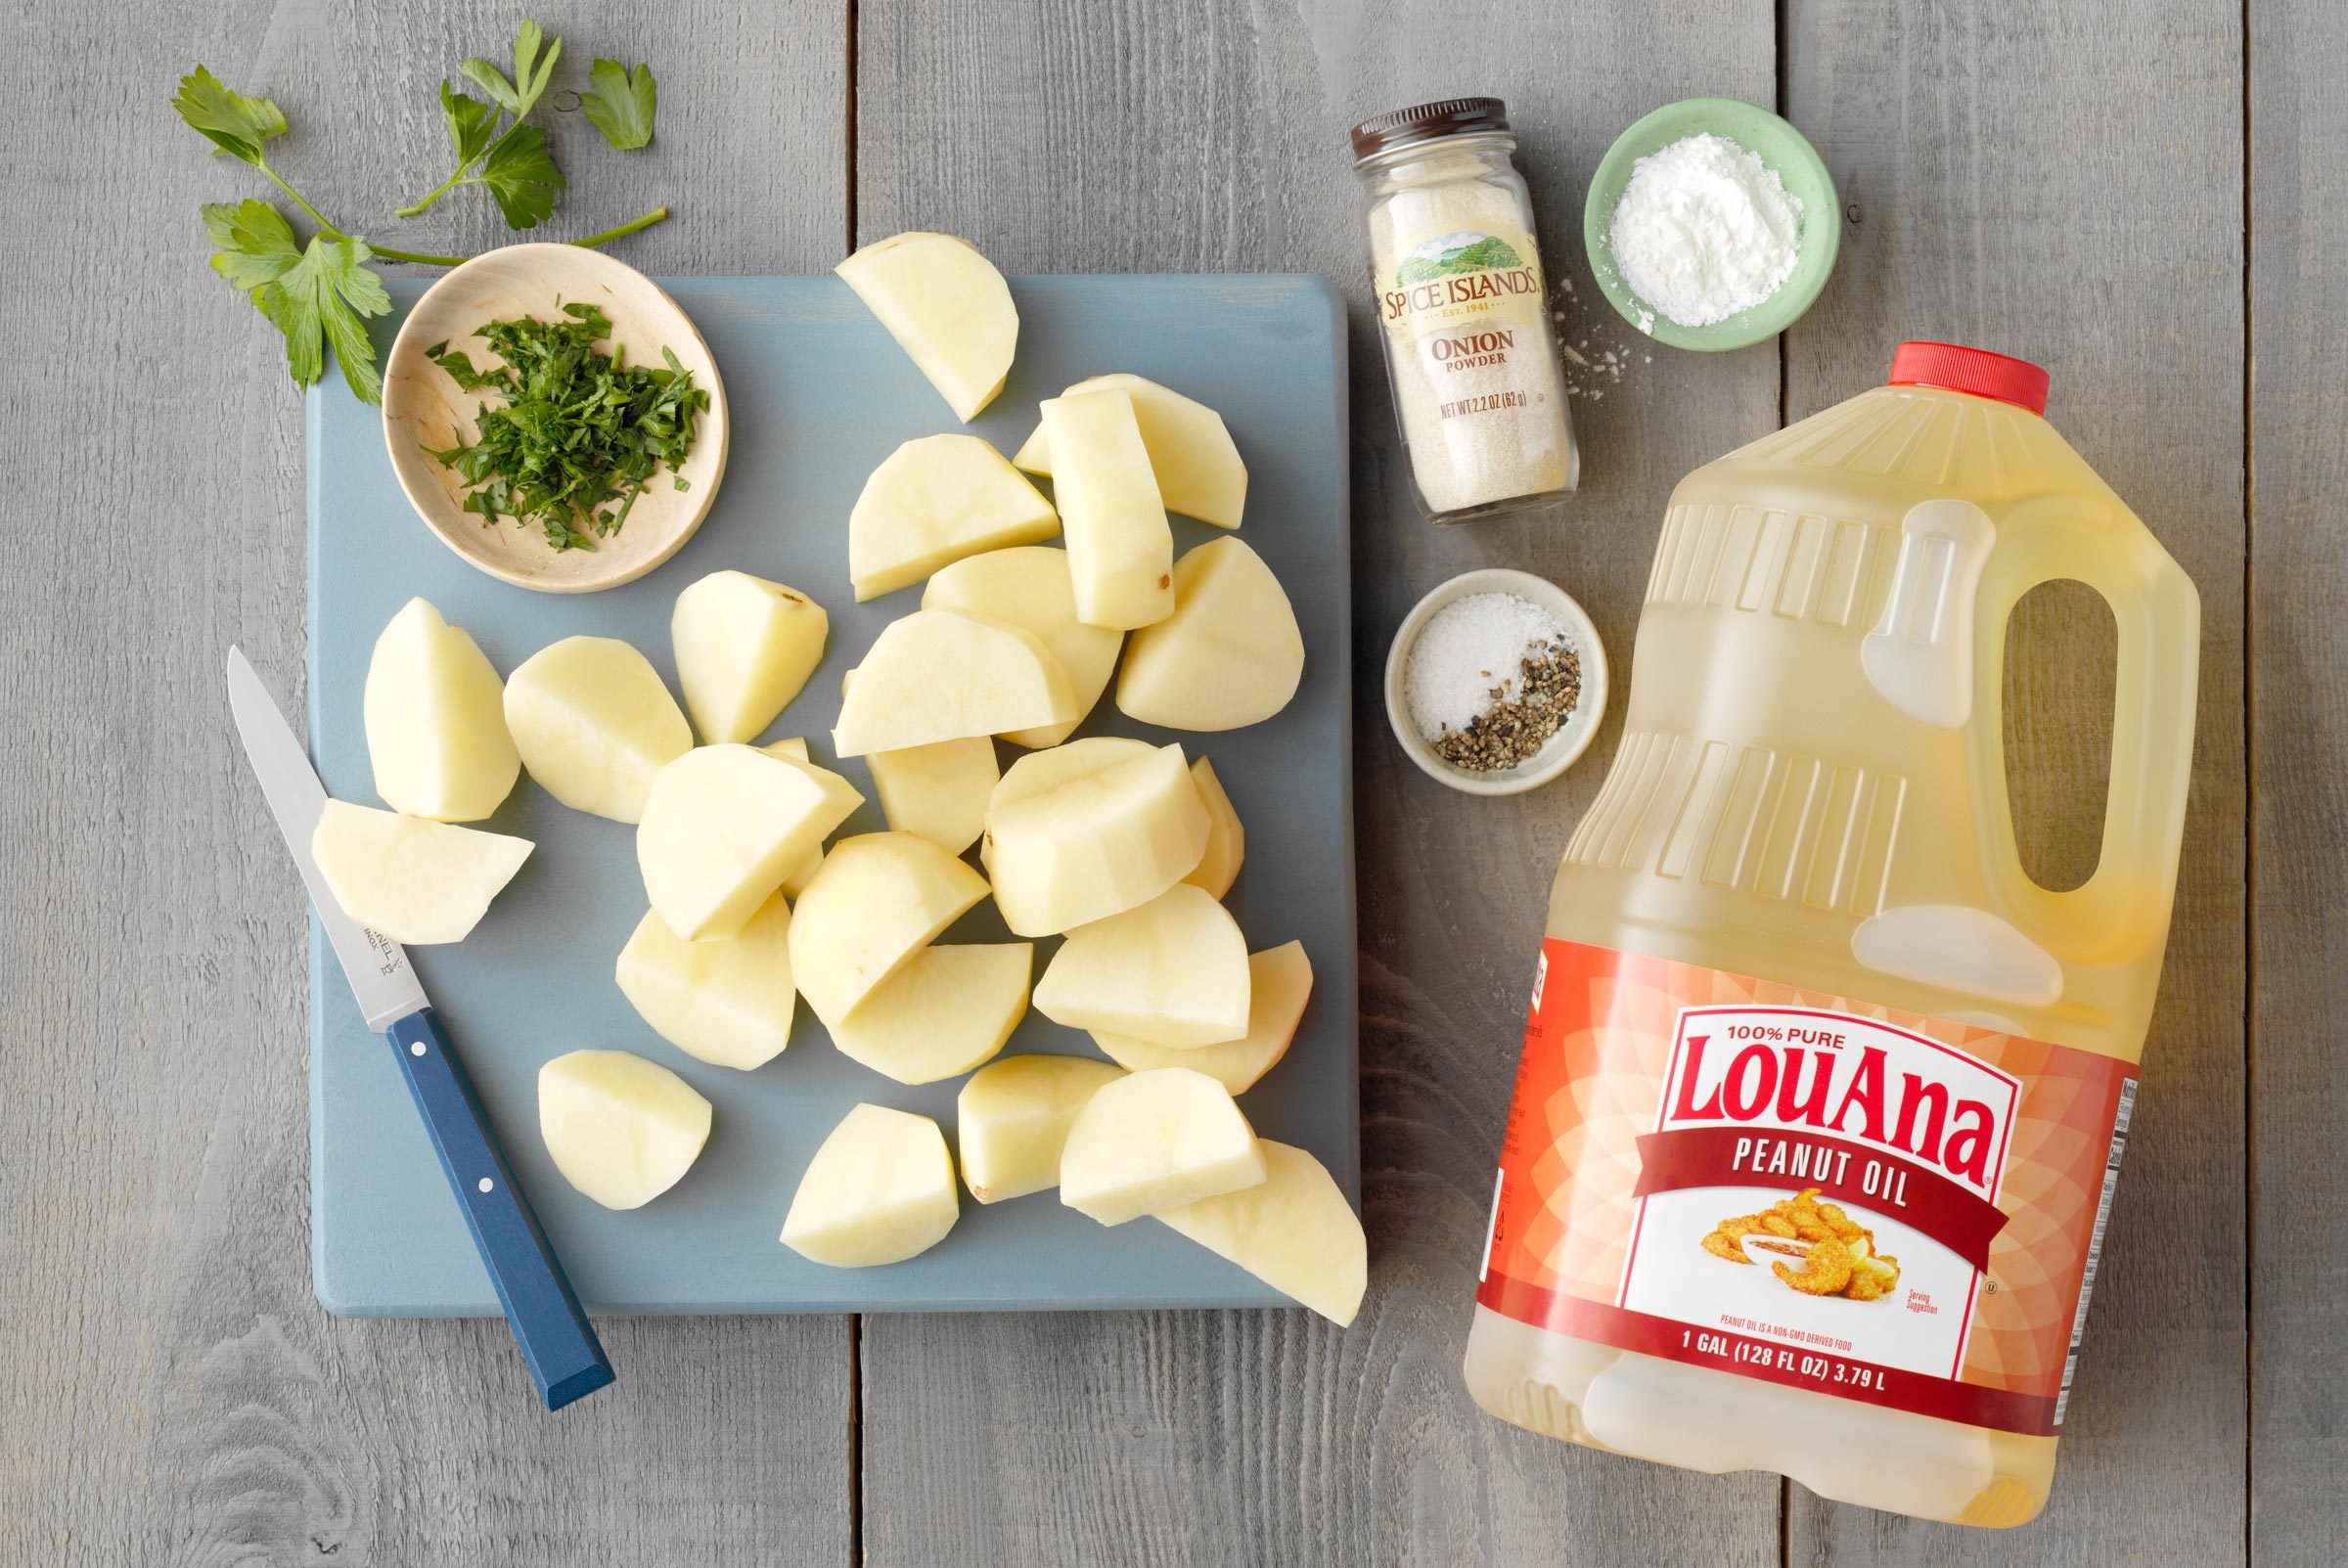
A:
(1977, 371)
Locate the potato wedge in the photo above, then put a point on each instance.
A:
(1110, 827)
(415, 880)
(1197, 469)
(1011, 1120)
(1120, 548)
(1294, 1231)
(879, 1190)
(1149, 1142)
(878, 900)
(1228, 656)
(721, 829)
(1028, 587)
(744, 647)
(940, 675)
(1226, 838)
(793, 749)
(730, 1003)
(938, 790)
(620, 1129)
(594, 722)
(944, 1014)
(1279, 981)
(436, 718)
(934, 501)
(1172, 971)
(946, 306)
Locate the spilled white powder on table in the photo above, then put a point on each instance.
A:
(1704, 229)
(1466, 649)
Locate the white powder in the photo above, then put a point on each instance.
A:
(1466, 649)
(1704, 229)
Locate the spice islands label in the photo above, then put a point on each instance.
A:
(1805, 1188)
(1462, 304)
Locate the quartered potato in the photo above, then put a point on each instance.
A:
(1172, 971)
(721, 829)
(435, 717)
(1230, 654)
(939, 790)
(1226, 838)
(1013, 1119)
(620, 1129)
(946, 306)
(881, 1189)
(1089, 830)
(594, 722)
(793, 749)
(1279, 983)
(934, 501)
(944, 1014)
(941, 675)
(744, 647)
(1029, 588)
(415, 880)
(1120, 548)
(1149, 1142)
(877, 899)
(1197, 469)
(1294, 1231)
(728, 1003)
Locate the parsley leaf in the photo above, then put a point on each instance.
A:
(621, 104)
(235, 124)
(472, 124)
(314, 297)
(578, 432)
(520, 173)
(531, 72)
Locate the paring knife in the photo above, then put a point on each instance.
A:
(566, 1358)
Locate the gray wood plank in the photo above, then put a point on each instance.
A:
(1189, 136)
(169, 1389)
(2065, 184)
(2299, 758)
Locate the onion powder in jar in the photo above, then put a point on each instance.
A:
(1462, 310)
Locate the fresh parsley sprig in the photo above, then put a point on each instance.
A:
(578, 433)
(319, 292)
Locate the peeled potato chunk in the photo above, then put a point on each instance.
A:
(435, 719)
(795, 749)
(1173, 972)
(946, 306)
(1013, 1118)
(1116, 823)
(878, 900)
(1120, 548)
(729, 1003)
(944, 1014)
(1197, 469)
(940, 675)
(722, 827)
(1228, 656)
(1280, 980)
(1294, 1232)
(1154, 1141)
(1028, 587)
(881, 1189)
(594, 722)
(1226, 839)
(620, 1129)
(415, 880)
(934, 501)
(744, 647)
(938, 790)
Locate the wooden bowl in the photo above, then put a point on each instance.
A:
(423, 407)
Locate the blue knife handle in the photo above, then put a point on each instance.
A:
(564, 1356)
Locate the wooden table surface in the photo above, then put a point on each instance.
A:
(2129, 191)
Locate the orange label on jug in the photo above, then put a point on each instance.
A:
(1805, 1188)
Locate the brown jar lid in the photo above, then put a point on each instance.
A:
(1427, 122)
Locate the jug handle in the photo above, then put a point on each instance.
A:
(2124, 907)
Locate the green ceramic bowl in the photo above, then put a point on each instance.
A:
(1781, 147)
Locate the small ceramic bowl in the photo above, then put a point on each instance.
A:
(1574, 737)
(423, 407)
(1781, 147)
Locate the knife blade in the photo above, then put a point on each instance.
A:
(566, 1358)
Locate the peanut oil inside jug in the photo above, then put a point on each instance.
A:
(1823, 1098)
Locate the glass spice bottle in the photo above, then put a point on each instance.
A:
(1463, 311)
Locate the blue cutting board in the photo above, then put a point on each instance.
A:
(820, 394)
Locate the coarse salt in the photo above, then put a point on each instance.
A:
(1466, 649)
(1705, 230)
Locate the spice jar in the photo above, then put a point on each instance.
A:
(1462, 310)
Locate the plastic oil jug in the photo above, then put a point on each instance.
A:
(1822, 1098)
